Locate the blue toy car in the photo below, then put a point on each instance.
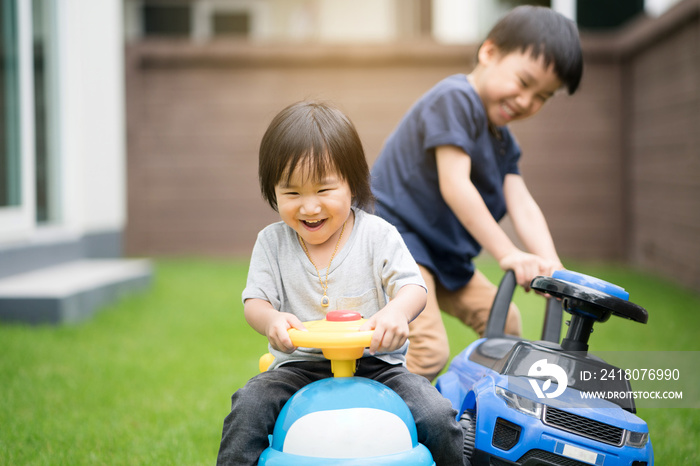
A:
(524, 402)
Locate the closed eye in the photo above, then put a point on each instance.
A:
(326, 188)
(544, 97)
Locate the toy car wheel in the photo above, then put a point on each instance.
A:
(468, 423)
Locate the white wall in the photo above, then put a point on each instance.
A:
(357, 20)
(91, 115)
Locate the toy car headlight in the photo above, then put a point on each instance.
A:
(636, 439)
(520, 403)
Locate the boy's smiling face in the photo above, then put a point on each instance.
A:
(512, 86)
(315, 208)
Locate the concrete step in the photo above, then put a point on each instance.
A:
(72, 291)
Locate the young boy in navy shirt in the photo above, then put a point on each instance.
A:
(449, 173)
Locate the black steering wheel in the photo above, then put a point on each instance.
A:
(589, 302)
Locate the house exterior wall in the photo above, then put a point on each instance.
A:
(571, 163)
(85, 105)
(193, 166)
(614, 167)
(196, 116)
(663, 74)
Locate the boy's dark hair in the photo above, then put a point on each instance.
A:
(322, 138)
(546, 33)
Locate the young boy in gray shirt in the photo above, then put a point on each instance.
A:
(327, 254)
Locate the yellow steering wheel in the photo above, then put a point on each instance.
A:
(338, 337)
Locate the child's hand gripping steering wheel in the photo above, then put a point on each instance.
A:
(339, 338)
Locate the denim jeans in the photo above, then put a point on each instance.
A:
(255, 407)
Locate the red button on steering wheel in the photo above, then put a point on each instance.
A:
(343, 316)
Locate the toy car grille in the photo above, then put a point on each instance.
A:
(583, 426)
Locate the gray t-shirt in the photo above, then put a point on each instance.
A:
(365, 274)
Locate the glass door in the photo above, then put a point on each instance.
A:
(29, 191)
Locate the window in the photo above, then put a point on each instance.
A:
(166, 20)
(194, 19)
(10, 193)
(28, 134)
(231, 24)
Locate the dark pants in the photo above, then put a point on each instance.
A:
(255, 407)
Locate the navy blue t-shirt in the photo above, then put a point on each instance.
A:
(405, 180)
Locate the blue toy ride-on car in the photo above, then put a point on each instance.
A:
(343, 420)
(528, 402)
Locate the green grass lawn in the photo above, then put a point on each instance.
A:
(149, 380)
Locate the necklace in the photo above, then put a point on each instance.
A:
(325, 300)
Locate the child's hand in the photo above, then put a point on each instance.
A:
(276, 331)
(551, 267)
(527, 266)
(390, 330)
